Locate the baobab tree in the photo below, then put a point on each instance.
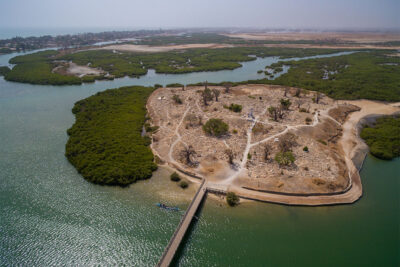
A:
(187, 154)
(231, 156)
(207, 96)
(216, 94)
(227, 87)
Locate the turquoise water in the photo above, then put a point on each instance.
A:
(51, 216)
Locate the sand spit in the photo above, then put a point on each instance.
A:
(344, 37)
(325, 175)
(155, 49)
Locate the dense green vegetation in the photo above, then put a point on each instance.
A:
(105, 143)
(4, 70)
(37, 68)
(383, 138)
(360, 75)
(232, 199)
(215, 127)
(365, 75)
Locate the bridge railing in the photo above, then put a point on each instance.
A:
(171, 241)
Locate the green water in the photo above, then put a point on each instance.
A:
(258, 234)
(49, 215)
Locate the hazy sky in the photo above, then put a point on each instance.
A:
(202, 13)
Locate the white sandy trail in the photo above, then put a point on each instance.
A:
(179, 137)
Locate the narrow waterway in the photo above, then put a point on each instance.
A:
(51, 216)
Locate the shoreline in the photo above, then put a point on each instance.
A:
(354, 150)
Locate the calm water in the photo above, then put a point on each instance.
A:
(51, 216)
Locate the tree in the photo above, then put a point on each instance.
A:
(286, 90)
(232, 199)
(187, 154)
(177, 99)
(297, 93)
(230, 155)
(286, 142)
(216, 94)
(227, 87)
(267, 152)
(285, 103)
(183, 184)
(207, 95)
(175, 177)
(299, 102)
(317, 97)
(215, 127)
(275, 113)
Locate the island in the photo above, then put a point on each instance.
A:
(263, 142)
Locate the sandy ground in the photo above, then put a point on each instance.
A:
(80, 71)
(356, 46)
(346, 37)
(70, 68)
(353, 147)
(154, 49)
(223, 178)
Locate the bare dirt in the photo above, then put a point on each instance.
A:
(325, 174)
(70, 68)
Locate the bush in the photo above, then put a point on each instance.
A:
(183, 184)
(235, 108)
(232, 199)
(322, 142)
(215, 127)
(284, 158)
(175, 177)
(177, 100)
(308, 120)
(305, 149)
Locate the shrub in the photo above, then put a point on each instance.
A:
(157, 85)
(305, 149)
(285, 104)
(232, 199)
(303, 110)
(215, 127)
(308, 120)
(235, 131)
(183, 184)
(284, 158)
(177, 100)
(322, 142)
(234, 107)
(175, 177)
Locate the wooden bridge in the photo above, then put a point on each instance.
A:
(180, 231)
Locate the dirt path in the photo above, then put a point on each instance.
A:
(350, 143)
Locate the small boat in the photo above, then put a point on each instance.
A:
(163, 206)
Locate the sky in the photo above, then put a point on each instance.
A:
(298, 14)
